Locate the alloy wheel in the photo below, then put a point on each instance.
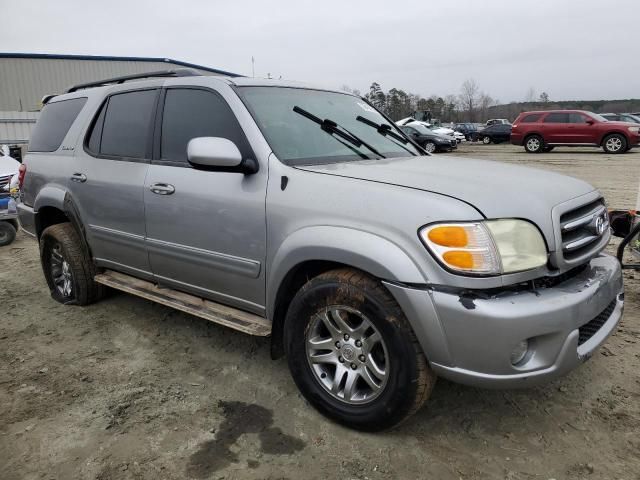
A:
(61, 272)
(614, 144)
(347, 355)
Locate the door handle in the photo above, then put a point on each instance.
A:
(162, 188)
(79, 177)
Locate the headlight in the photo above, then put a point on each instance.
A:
(634, 129)
(492, 247)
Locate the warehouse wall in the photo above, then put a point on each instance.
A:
(24, 81)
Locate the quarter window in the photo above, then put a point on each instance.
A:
(192, 113)
(126, 125)
(54, 124)
(531, 118)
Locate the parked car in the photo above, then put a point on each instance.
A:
(437, 129)
(306, 215)
(497, 121)
(467, 129)
(428, 139)
(8, 221)
(496, 133)
(9, 167)
(542, 131)
(621, 117)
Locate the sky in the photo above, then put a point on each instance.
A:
(571, 49)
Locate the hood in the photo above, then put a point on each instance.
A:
(496, 190)
(8, 166)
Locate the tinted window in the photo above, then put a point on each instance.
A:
(577, 118)
(557, 118)
(54, 123)
(191, 113)
(531, 118)
(127, 124)
(96, 131)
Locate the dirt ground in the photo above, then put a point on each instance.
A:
(127, 389)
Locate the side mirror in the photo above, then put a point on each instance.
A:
(213, 152)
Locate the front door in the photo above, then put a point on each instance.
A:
(206, 231)
(107, 182)
(579, 130)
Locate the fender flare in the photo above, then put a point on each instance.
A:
(365, 251)
(50, 196)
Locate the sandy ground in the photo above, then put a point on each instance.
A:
(126, 389)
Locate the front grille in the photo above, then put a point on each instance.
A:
(588, 330)
(582, 228)
(4, 180)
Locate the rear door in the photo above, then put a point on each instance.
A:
(206, 229)
(554, 128)
(107, 181)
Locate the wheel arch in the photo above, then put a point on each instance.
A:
(315, 250)
(611, 132)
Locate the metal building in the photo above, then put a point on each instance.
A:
(26, 77)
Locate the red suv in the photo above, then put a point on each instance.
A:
(542, 131)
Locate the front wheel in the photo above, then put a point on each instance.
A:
(486, 140)
(352, 352)
(614, 143)
(67, 267)
(430, 147)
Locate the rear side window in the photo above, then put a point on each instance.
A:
(557, 118)
(54, 123)
(127, 123)
(190, 113)
(531, 118)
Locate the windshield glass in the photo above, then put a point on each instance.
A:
(296, 140)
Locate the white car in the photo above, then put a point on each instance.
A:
(439, 130)
(8, 168)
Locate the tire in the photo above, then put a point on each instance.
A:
(547, 149)
(534, 144)
(430, 147)
(7, 233)
(486, 140)
(614, 143)
(67, 267)
(347, 300)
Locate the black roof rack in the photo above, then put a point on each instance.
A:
(178, 72)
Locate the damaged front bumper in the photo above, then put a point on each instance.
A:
(469, 337)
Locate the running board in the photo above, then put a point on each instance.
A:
(215, 312)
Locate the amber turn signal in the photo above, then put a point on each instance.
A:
(449, 236)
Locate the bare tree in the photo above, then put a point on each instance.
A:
(469, 97)
(484, 102)
(544, 97)
(531, 95)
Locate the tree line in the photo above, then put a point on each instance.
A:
(471, 104)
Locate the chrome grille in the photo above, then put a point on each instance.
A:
(4, 180)
(582, 230)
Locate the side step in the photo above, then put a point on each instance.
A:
(215, 312)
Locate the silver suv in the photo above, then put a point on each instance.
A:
(305, 214)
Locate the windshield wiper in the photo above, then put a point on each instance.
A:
(385, 130)
(332, 128)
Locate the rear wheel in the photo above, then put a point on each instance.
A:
(67, 267)
(352, 352)
(7, 233)
(486, 140)
(614, 143)
(534, 144)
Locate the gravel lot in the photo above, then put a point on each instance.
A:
(126, 389)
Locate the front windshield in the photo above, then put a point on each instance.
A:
(296, 140)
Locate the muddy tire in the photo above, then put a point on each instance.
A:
(7, 233)
(534, 144)
(614, 143)
(352, 352)
(67, 267)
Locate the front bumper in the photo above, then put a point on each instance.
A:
(469, 337)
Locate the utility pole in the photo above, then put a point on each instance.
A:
(253, 67)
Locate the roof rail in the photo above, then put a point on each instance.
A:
(178, 72)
